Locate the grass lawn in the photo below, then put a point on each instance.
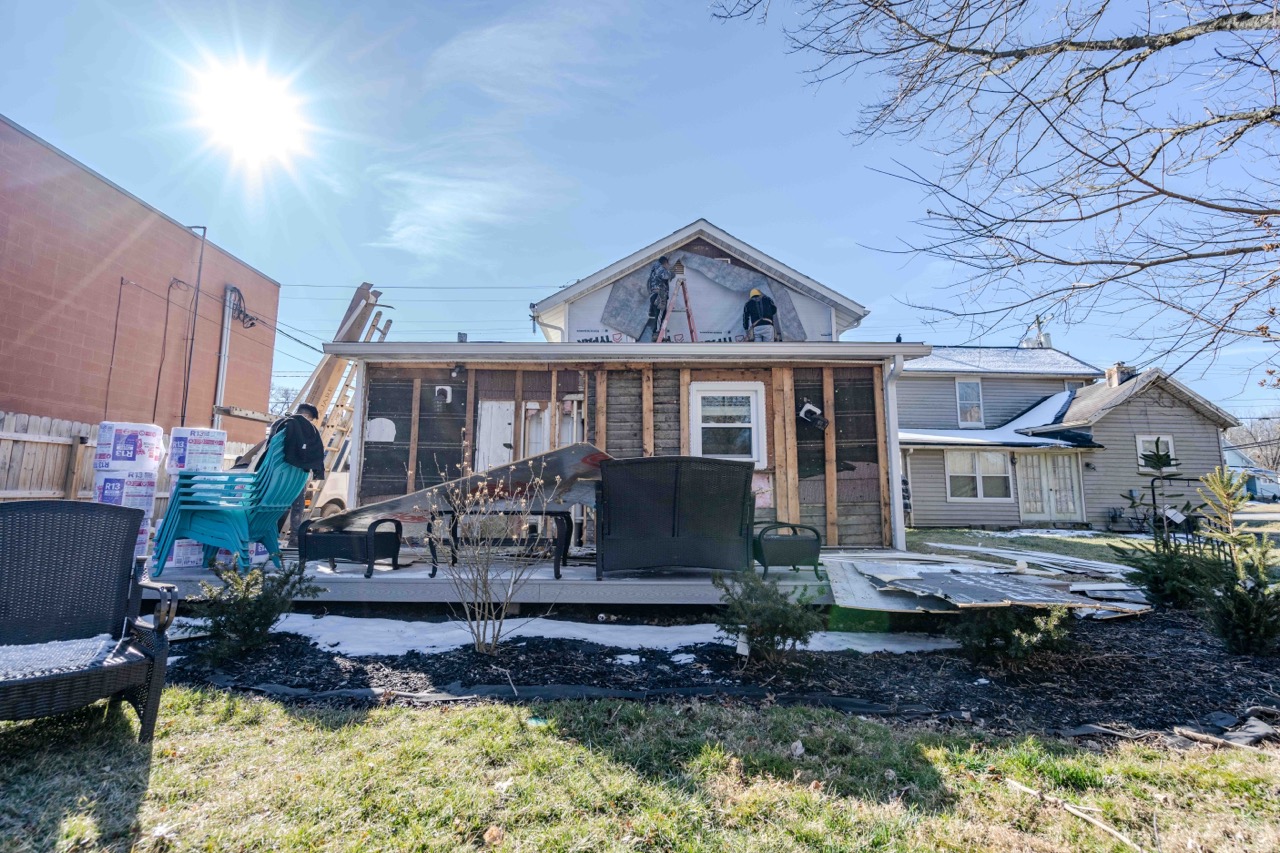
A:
(228, 772)
(1096, 547)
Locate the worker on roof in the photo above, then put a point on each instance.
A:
(758, 318)
(659, 286)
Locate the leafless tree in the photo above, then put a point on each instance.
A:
(1259, 439)
(1094, 156)
(281, 402)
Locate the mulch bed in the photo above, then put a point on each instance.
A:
(1144, 673)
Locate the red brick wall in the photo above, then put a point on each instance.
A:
(66, 239)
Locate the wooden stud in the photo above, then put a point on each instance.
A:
(468, 434)
(517, 427)
(415, 414)
(686, 413)
(781, 502)
(554, 439)
(789, 423)
(602, 396)
(829, 472)
(646, 410)
(882, 457)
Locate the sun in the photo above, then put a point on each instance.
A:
(250, 113)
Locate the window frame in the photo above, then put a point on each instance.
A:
(947, 456)
(981, 423)
(1153, 437)
(1074, 384)
(759, 434)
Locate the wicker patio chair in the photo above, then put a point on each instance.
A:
(69, 602)
(674, 512)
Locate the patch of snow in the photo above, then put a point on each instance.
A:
(627, 660)
(359, 637)
(1035, 360)
(683, 658)
(1007, 435)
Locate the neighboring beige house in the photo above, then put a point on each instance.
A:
(1025, 436)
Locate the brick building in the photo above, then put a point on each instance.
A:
(97, 289)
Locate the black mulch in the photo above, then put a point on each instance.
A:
(1144, 673)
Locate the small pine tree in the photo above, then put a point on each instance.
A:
(1243, 604)
(1011, 634)
(239, 614)
(1173, 572)
(773, 623)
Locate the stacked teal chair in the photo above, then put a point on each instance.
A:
(231, 509)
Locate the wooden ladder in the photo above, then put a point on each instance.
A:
(679, 287)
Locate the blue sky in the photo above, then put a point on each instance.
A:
(472, 157)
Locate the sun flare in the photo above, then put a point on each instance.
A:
(250, 113)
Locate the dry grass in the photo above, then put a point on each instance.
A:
(234, 773)
(1095, 547)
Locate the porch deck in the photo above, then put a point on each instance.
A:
(577, 585)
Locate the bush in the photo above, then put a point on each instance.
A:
(1173, 573)
(1247, 618)
(1011, 634)
(239, 615)
(758, 611)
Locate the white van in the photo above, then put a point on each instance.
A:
(332, 498)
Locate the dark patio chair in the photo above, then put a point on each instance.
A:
(674, 512)
(69, 602)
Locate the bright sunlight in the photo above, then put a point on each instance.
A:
(252, 114)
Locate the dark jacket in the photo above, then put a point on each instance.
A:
(303, 446)
(757, 311)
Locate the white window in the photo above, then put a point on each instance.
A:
(981, 475)
(1074, 384)
(969, 403)
(1147, 444)
(726, 421)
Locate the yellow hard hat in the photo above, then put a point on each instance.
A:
(755, 291)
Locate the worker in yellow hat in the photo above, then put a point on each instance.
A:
(759, 317)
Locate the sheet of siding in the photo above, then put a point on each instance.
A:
(930, 507)
(623, 414)
(1196, 444)
(929, 402)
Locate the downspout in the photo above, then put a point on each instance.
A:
(223, 353)
(896, 520)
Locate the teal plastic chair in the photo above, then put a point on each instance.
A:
(232, 509)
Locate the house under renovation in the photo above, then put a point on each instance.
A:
(816, 416)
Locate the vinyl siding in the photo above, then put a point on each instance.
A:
(1197, 445)
(929, 402)
(930, 507)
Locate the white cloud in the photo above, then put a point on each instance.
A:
(535, 62)
(438, 213)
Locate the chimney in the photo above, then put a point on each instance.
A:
(1119, 373)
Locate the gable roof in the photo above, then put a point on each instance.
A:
(849, 313)
(1093, 402)
(1032, 361)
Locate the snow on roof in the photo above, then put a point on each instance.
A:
(1044, 412)
(1028, 360)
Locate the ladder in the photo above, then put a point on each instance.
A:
(336, 420)
(678, 287)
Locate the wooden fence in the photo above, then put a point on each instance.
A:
(45, 458)
(52, 458)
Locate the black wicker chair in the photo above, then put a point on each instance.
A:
(69, 602)
(674, 512)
